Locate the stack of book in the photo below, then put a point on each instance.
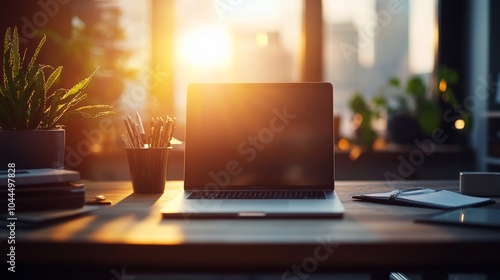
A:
(40, 190)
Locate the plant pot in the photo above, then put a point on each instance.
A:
(403, 129)
(32, 149)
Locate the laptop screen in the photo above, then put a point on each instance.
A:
(259, 136)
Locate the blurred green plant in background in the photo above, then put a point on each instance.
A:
(413, 110)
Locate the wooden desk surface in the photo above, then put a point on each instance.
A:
(131, 233)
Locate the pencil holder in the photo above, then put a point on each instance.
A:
(148, 168)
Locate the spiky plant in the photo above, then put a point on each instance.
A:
(26, 99)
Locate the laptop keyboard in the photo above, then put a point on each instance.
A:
(258, 195)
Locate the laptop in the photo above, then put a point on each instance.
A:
(258, 150)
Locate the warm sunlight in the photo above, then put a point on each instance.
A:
(262, 40)
(206, 48)
(421, 48)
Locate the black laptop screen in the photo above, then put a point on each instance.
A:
(272, 136)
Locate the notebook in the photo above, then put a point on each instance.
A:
(258, 150)
(426, 197)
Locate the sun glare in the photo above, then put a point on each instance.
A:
(206, 48)
(262, 40)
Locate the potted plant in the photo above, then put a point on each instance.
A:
(413, 110)
(32, 116)
(411, 114)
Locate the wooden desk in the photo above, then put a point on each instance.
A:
(369, 238)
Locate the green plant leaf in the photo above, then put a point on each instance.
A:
(61, 104)
(73, 99)
(80, 86)
(428, 116)
(6, 120)
(358, 104)
(6, 40)
(416, 87)
(380, 101)
(88, 111)
(37, 51)
(52, 78)
(52, 108)
(33, 96)
(14, 54)
(37, 103)
(64, 106)
(394, 82)
(7, 71)
(32, 74)
(6, 55)
(8, 117)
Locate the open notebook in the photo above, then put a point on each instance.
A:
(425, 197)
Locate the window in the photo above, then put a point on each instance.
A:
(364, 43)
(235, 41)
(368, 41)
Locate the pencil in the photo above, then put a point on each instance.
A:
(151, 131)
(160, 132)
(130, 133)
(142, 133)
(170, 129)
(157, 132)
(135, 133)
(126, 141)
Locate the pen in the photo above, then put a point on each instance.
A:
(410, 190)
(398, 192)
(141, 128)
